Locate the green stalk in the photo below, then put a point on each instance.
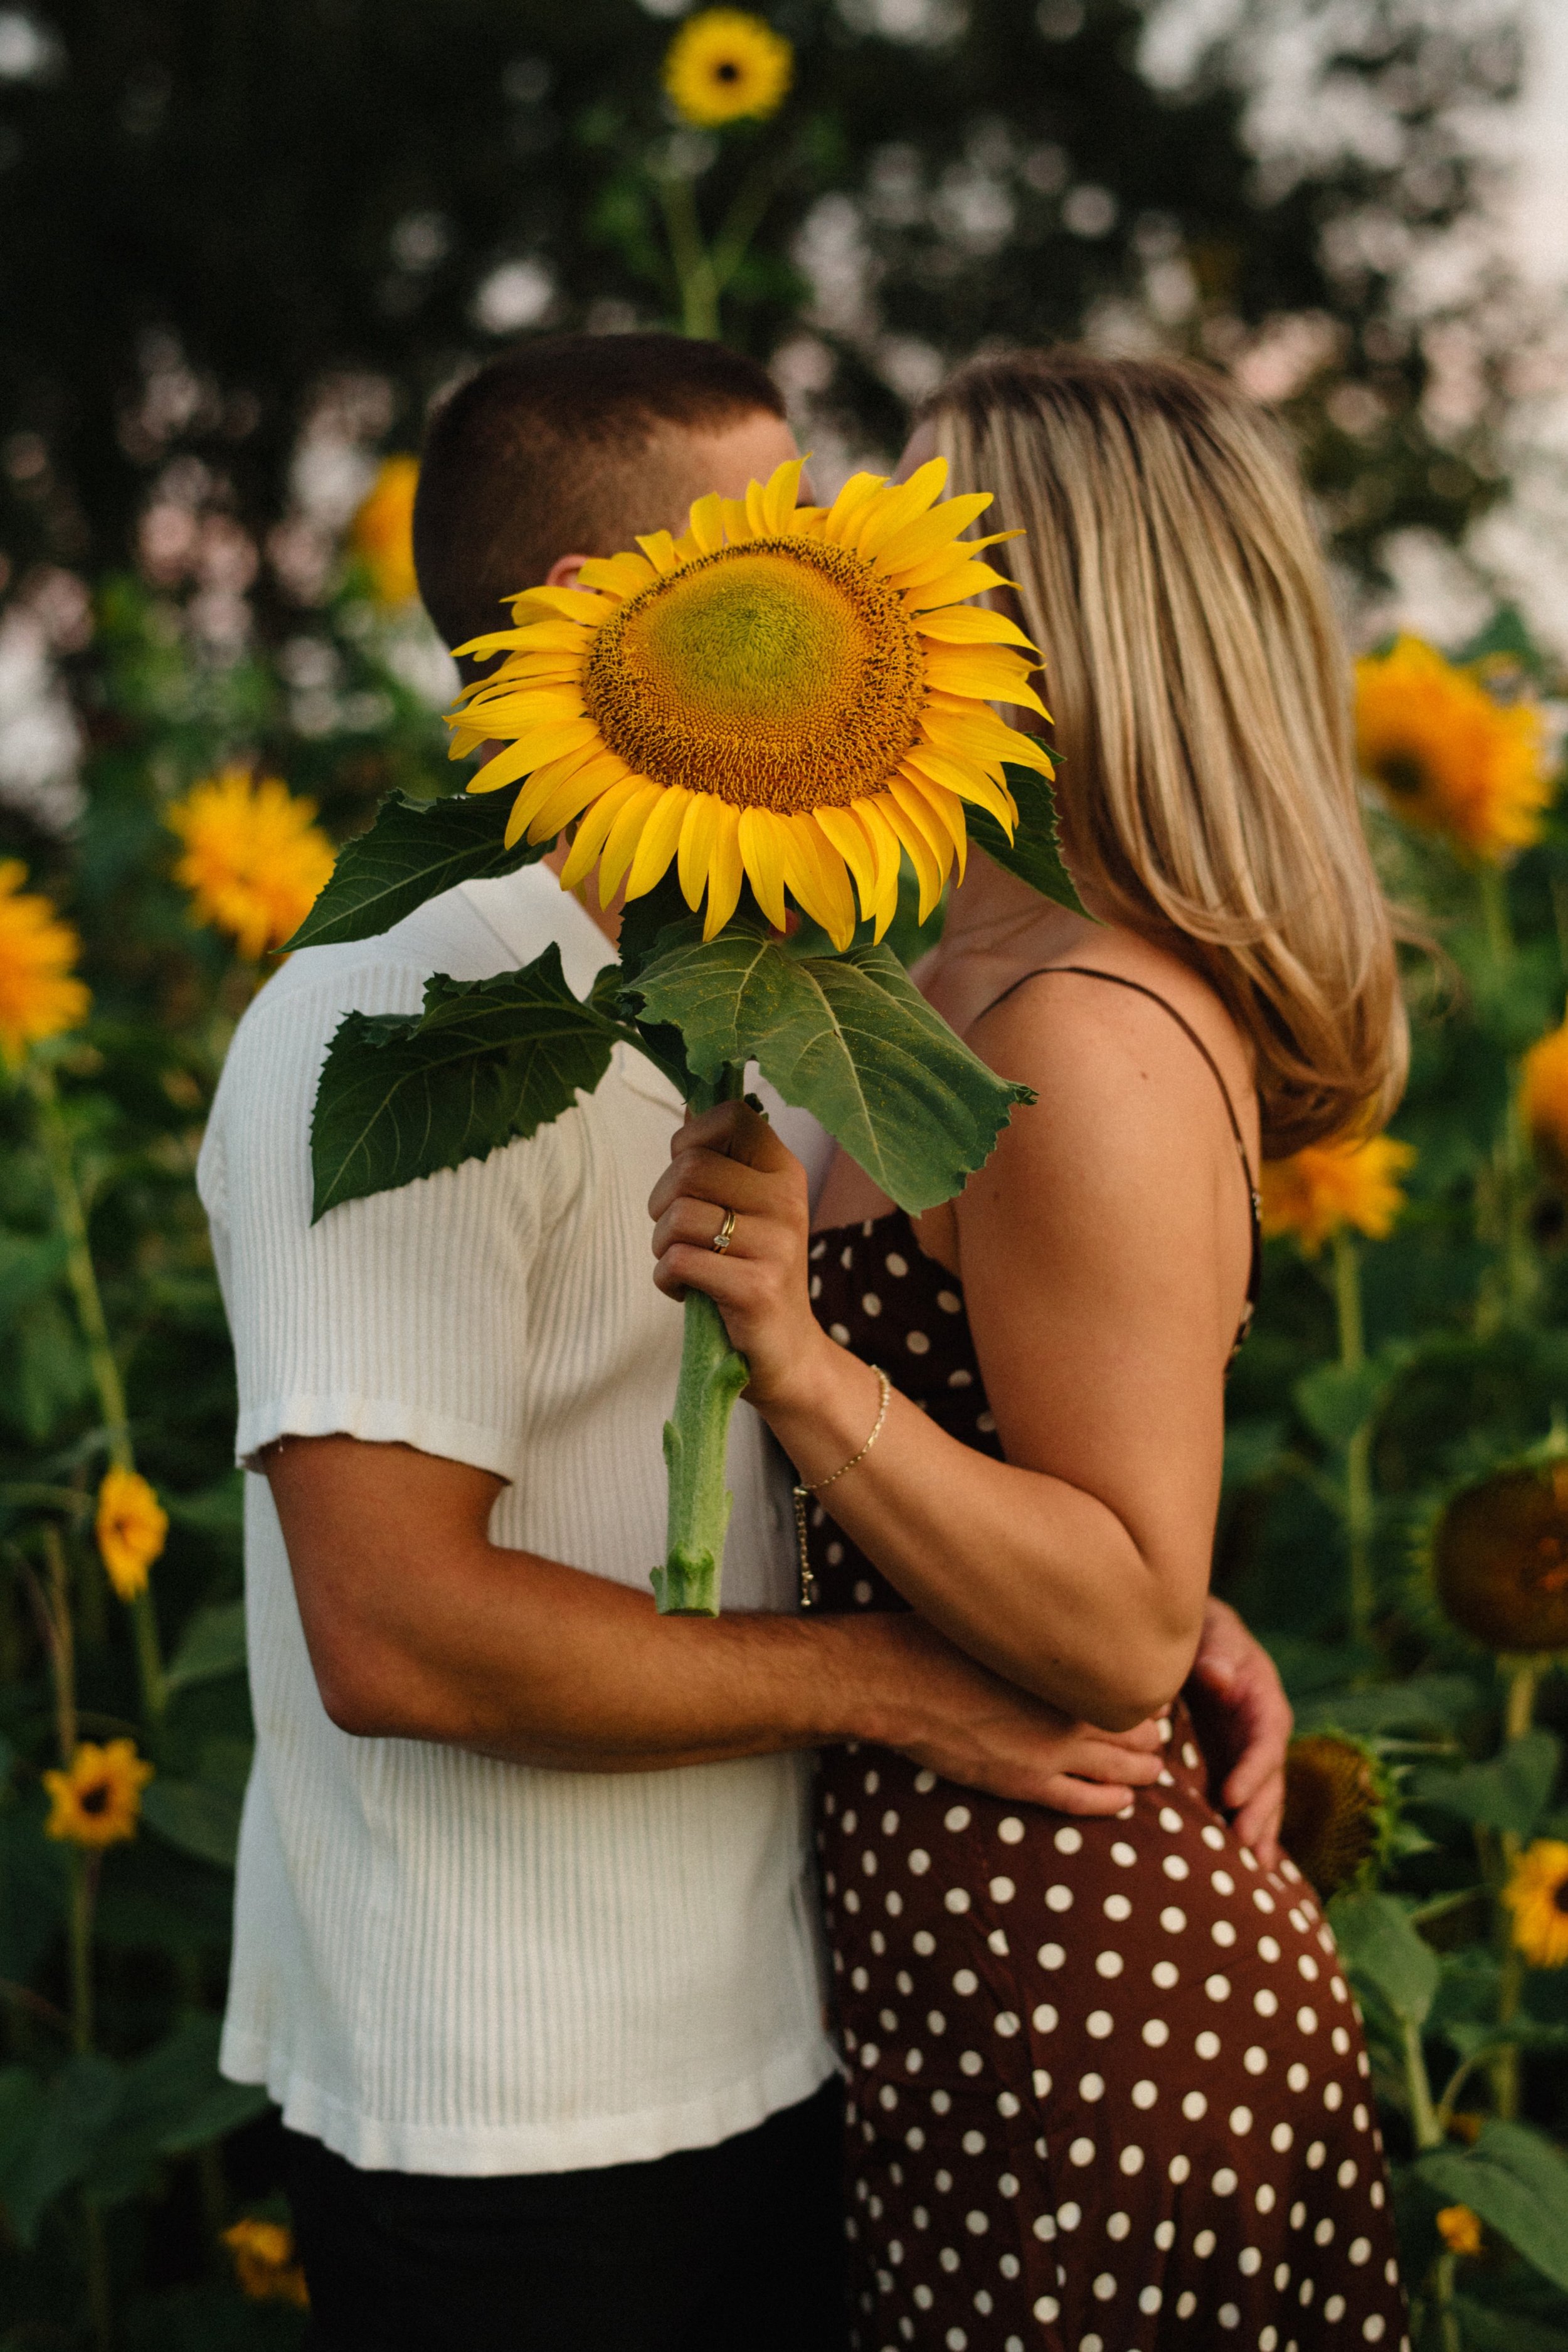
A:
(1448, 2336)
(1358, 1502)
(712, 1377)
(1519, 1714)
(100, 2298)
(688, 252)
(82, 1275)
(1425, 2129)
(83, 1895)
(1492, 890)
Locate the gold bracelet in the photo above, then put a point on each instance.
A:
(809, 1582)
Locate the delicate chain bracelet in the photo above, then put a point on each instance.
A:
(809, 1582)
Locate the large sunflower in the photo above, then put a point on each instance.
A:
(789, 695)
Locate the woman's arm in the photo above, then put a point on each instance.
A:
(1103, 1256)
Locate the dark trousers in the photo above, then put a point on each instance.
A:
(704, 2250)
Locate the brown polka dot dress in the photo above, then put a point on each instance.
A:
(1109, 2090)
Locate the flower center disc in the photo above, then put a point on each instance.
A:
(782, 675)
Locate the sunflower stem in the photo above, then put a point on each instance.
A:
(83, 1896)
(1358, 1495)
(1448, 2336)
(82, 1274)
(713, 1374)
(1423, 2124)
(1492, 887)
(693, 264)
(62, 1644)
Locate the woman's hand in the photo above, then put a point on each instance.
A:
(729, 1158)
(1256, 1722)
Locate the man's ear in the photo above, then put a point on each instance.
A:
(563, 572)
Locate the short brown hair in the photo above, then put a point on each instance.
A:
(561, 447)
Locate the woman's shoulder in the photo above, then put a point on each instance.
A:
(1113, 982)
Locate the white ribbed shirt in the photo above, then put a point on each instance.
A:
(443, 1963)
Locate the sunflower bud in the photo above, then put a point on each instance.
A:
(1460, 2230)
(1336, 1809)
(1500, 1559)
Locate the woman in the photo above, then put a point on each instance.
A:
(1110, 2091)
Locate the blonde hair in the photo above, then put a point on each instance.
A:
(1200, 692)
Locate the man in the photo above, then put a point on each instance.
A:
(525, 1942)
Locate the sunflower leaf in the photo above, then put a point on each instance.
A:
(1386, 1955)
(1510, 1792)
(486, 1061)
(414, 851)
(848, 1038)
(1518, 2183)
(1034, 852)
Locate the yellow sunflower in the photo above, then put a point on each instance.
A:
(39, 994)
(1498, 1558)
(1450, 757)
(1537, 1894)
(724, 63)
(132, 1526)
(96, 1801)
(1320, 1189)
(382, 532)
(786, 695)
(265, 2266)
(1544, 1099)
(255, 859)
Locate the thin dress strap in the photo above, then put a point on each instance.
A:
(1089, 972)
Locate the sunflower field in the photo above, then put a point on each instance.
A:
(233, 633)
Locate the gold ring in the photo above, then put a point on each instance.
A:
(725, 1234)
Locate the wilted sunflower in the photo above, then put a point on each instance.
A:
(1544, 1100)
(786, 695)
(255, 857)
(1498, 1556)
(382, 532)
(97, 1800)
(265, 2266)
(39, 994)
(1326, 1186)
(1448, 755)
(1336, 1809)
(723, 64)
(1537, 1894)
(132, 1526)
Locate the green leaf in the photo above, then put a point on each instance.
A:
(1510, 1792)
(214, 1644)
(1482, 2329)
(79, 2108)
(1384, 1954)
(1424, 1703)
(1518, 2183)
(486, 1061)
(848, 1038)
(414, 851)
(33, 1890)
(1474, 2039)
(194, 1816)
(1335, 1400)
(172, 2099)
(1035, 852)
(28, 1265)
(22, 2105)
(1254, 1450)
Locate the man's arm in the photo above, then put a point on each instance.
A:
(419, 1627)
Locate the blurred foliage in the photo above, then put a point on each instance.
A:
(214, 209)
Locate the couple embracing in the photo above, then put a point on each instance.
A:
(530, 1947)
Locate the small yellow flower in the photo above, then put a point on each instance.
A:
(1537, 1894)
(1460, 2230)
(39, 994)
(1327, 1186)
(255, 858)
(96, 1802)
(131, 1528)
(382, 532)
(1449, 756)
(1544, 1099)
(264, 2262)
(723, 64)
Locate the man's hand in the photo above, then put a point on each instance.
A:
(1241, 1680)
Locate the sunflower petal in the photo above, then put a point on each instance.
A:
(848, 836)
(912, 794)
(930, 795)
(576, 603)
(898, 505)
(658, 840)
(844, 516)
(699, 829)
(972, 625)
(918, 541)
(912, 840)
(619, 576)
(967, 782)
(660, 549)
(592, 832)
(621, 842)
(569, 795)
(707, 524)
(761, 837)
(725, 870)
(989, 673)
(736, 527)
(890, 860)
(779, 496)
(947, 559)
(819, 880)
(952, 588)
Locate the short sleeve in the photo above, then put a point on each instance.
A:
(400, 1319)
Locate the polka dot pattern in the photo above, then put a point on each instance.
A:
(1106, 2078)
